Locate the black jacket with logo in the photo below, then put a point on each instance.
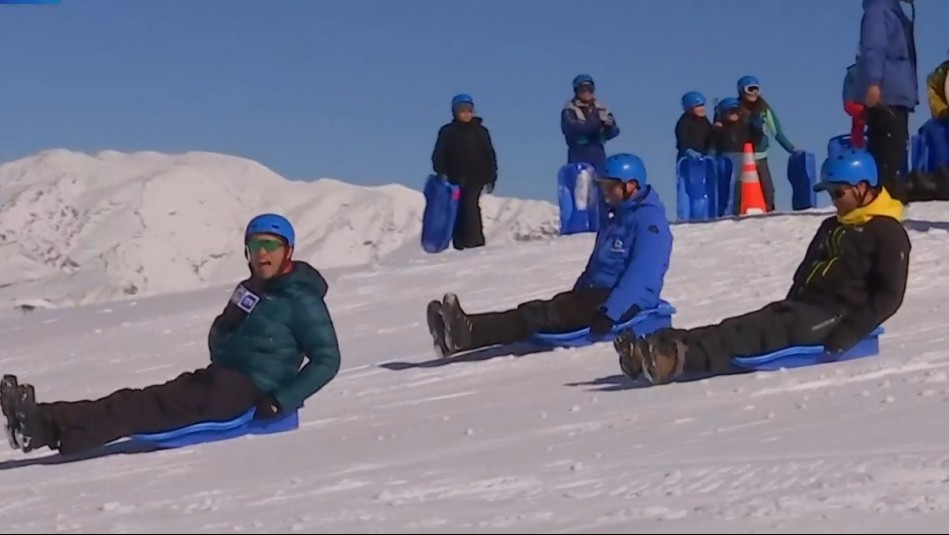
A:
(858, 269)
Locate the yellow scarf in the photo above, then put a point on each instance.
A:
(883, 205)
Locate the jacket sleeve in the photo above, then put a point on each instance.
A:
(892, 261)
(641, 283)
(612, 130)
(773, 124)
(492, 155)
(680, 135)
(872, 45)
(936, 90)
(576, 131)
(440, 153)
(314, 332)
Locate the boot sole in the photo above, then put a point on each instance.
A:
(623, 344)
(436, 328)
(9, 399)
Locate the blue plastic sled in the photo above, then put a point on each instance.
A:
(441, 211)
(802, 174)
(919, 153)
(642, 324)
(704, 187)
(215, 431)
(725, 176)
(579, 199)
(697, 188)
(934, 136)
(799, 356)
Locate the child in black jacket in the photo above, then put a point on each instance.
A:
(464, 155)
(730, 132)
(693, 130)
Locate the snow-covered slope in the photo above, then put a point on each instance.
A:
(78, 228)
(555, 442)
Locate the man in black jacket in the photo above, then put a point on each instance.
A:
(852, 278)
(464, 155)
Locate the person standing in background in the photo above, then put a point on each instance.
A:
(693, 129)
(587, 125)
(853, 106)
(886, 79)
(464, 155)
(752, 105)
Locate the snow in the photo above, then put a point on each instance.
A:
(78, 228)
(501, 442)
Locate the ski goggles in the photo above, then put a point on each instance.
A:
(585, 87)
(749, 89)
(256, 244)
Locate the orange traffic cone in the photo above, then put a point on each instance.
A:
(752, 197)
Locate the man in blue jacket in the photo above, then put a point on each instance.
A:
(587, 125)
(274, 319)
(624, 275)
(887, 80)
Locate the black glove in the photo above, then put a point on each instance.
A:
(267, 407)
(601, 324)
(841, 339)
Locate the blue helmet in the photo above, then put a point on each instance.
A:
(624, 167)
(692, 99)
(746, 81)
(728, 103)
(851, 167)
(271, 224)
(581, 79)
(463, 98)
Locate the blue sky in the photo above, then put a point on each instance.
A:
(357, 90)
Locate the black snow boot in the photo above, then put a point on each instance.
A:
(436, 327)
(457, 324)
(28, 427)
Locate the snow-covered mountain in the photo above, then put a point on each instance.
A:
(79, 228)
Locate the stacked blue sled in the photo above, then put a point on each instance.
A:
(707, 186)
(441, 212)
(579, 199)
(930, 147)
(704, 187)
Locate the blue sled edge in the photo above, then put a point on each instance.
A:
(799, 356)
(645, 322)
(214, 431)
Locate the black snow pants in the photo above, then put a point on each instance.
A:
(776, 326)
(767, 183)
(469, 231)
(209, 394)
(565, 312)
(887, 139)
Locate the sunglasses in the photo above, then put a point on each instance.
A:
(837, 192)
(464, 108)
(256, 244)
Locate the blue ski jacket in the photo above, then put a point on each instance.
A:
(586, 129)
(887, 54)
(631, 256)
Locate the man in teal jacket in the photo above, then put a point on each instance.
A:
(257, 344)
